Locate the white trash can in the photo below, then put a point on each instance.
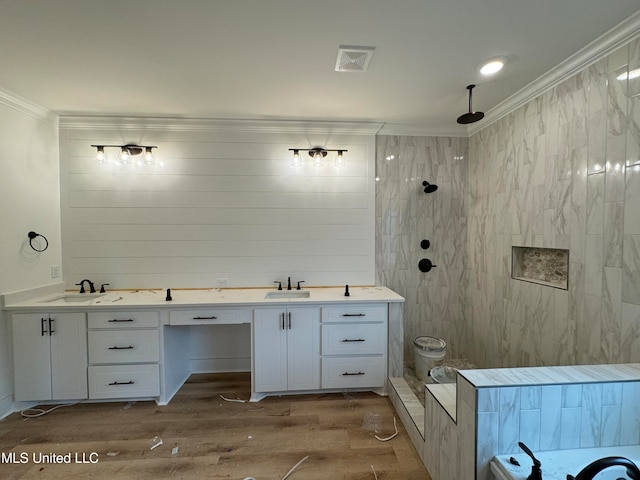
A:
(428, 351)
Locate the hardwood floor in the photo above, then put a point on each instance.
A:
(205, 437)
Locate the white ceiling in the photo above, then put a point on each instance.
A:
(274, 59)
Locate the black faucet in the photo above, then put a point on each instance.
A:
(92, 288)
(596, 467)
(289, 283)
(536, 470)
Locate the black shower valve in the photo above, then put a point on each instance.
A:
(425, 265)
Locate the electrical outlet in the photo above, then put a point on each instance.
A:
(222, 282)
(56, 271)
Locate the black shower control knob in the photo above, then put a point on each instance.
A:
(424, 244)
(425, 265)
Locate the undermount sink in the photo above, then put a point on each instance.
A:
(74, 298)
(288, 294)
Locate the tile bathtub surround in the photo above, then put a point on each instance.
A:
(558, 417)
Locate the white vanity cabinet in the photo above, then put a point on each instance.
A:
(354, 346)
(50, 356)
(286, 349)
(124, 354)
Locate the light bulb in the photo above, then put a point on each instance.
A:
(317, 159)
(296, 162)
(149, 157)
(340, 159)
(124, 158)
(100, 156)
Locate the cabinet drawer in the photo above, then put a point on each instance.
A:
(117, 319)
(209, 316)
(353, 372)
(354, 339)
(129, 346)
(354, 313)
(124, 381)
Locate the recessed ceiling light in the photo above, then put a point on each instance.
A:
(492, 66)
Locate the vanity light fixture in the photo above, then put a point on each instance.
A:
(126, 152)
(317, 154)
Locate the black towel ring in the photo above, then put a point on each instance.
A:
(33, 235)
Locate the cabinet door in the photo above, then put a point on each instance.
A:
(270, 350)
(69, 356)
(31, 357)
(303, 348)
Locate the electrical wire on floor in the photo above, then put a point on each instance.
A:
(238, 400)
(386, 439)
(289, 472)
(374, 472)
(38, 412)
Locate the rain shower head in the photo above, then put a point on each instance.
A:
(429, 187)
(471, 116)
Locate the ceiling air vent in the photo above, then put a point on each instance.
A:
(353, 59)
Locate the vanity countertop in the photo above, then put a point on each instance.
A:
(156, 298)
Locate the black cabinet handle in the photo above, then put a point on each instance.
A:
(282, 320)
(43, 330)
(353, 340)
(347, 374)
(115, 320)
(289, 314)
(212, 317)
(51, 330)
(354, 314)
(130, 347)
(130, 382)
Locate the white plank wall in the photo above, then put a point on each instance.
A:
(223, 202)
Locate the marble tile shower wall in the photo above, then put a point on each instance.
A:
(559, 417)
(405, 215)
(562, 171)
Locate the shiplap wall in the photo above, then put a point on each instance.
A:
(223, 202)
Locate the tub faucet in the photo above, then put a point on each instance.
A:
(92, 288)
(591, 470)
(536, 470)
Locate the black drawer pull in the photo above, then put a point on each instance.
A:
(115, 320)
(347, 374)
(130, 347)
(212, 317)
(346, 340)
(130, 382)
(354, 315)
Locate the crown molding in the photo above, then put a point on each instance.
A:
(75, 122)
(620, 35)
(12, 100)
(421, 130)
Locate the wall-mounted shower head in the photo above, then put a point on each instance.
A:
(429, 187)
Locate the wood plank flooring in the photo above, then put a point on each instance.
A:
(205, 437)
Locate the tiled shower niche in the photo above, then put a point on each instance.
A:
(545, 266)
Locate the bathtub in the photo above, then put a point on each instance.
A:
(557, 464)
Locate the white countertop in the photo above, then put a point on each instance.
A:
(557, 464)
(201, 297)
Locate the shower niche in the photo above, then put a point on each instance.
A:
(544, 266)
